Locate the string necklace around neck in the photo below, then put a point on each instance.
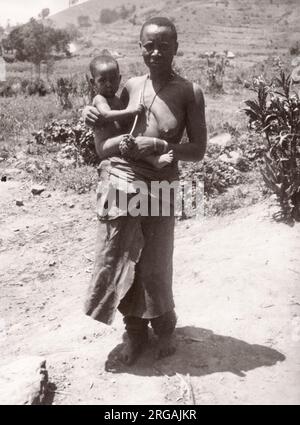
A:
(149, 109)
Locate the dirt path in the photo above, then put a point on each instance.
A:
(237, 293)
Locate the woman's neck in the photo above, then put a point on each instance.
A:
(161, 77)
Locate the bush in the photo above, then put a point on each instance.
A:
(295, 48)
(217, 175)
(84, 21)
(108, 16)
(73, 138)
(38, 86)
(276, 114)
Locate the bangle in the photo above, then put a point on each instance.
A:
(155, 144)
(166, 146)
(126, 145)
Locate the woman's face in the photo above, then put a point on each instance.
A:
(158, 47)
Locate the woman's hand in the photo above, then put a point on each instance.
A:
(91, 116)
(145, 146)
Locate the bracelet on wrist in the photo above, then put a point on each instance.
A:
(166, 146)
(126, 145)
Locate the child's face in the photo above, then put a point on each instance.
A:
(106, 79)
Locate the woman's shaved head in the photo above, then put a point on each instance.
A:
(160, 22)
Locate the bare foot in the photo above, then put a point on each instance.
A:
(165, 159)
(132, 350)
(165, 347)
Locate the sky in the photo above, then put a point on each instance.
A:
(18, 11)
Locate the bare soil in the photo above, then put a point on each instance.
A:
(237, 294)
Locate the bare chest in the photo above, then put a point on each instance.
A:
(164, 113)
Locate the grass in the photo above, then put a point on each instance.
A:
(22, 115)
(243, 195)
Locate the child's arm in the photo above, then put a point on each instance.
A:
(109, 115)
(160, 161)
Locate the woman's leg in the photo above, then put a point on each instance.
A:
(137, 333)
(164, 327)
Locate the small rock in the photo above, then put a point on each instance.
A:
(23, 382)
(19, 203)
(52, 263)
(46, 195)
(230, 158)
(71, 205)
(37, 190)
(4, 178)
(221, 140)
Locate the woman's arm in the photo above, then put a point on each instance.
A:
(196, 130)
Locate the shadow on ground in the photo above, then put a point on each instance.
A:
(199, 352)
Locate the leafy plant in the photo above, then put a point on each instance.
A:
(276, 114)
(75, 140)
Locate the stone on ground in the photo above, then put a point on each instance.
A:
(37, 190)
(23, 381)
(221, 140)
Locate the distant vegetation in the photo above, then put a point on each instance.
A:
(84, 21)
(35, 42)
(108, 16)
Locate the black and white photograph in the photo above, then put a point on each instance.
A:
(149, 205)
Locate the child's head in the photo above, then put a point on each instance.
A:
(105, 75)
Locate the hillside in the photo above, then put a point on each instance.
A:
(245, 27)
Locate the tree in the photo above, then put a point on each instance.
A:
(45, 13)
(35, 42)
(6, 44)
(124, 12)
(73, 31)
(84, 21)
(108, 16)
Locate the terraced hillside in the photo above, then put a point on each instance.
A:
(248, 28)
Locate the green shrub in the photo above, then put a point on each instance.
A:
(74, 138)
(295, 48)
(276, 114)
